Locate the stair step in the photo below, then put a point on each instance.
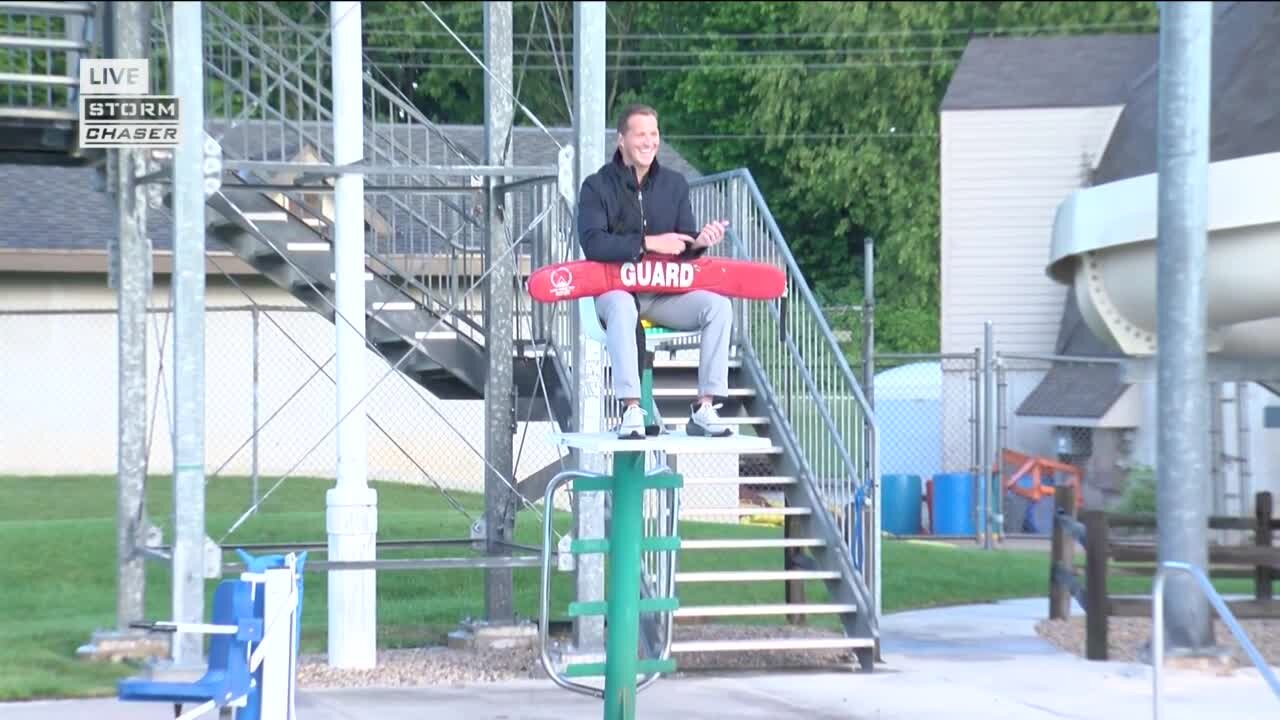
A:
(28, 79)
(646, 666)
(394, 306)
(750, 544)
(46, 8)
(266, 216)
(691, 391)
(646, 605)
(317, 246)
(39, 43)
(750, 511)
(694, 646)
(660, 363)
(723, 420)
(755, 576)
(46, 114)
(762, 480)
(782, 609)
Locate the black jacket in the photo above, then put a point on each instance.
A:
(613, 220)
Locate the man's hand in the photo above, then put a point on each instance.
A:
(712, 233)
(667, 243)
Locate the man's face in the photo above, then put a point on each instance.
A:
(639, 144)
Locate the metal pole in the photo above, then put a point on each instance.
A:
(589, 140)
(623, 607)
(1244, 445)
(1182, 153)
(132, 279)
(868, 386)
(188, 332)
(868, 320)
(352, 506)
(256, 361)
(499, 394)
(975, 455)
(1216, 489)
(988, 431)
(1002, 439)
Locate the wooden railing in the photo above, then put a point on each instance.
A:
(1106, 556)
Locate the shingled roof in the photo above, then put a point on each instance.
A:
(66, 209)
(1244, 114)
(1076, 389)
(1045, 72)
(1244, 120)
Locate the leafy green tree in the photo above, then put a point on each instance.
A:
(834, 107)
(869, 77)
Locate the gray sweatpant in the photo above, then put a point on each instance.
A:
(695, 310)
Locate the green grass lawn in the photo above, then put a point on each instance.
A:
(57, 583)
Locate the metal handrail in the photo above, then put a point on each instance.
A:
(544, 604)
(1157, 628)
(372, 127)
(793, 268)
(860, 473)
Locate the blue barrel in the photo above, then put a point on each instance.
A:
(952, 511)
(900, 504)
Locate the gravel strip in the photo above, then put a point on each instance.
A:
(442, 665)
(1127, 636)
(415, 667)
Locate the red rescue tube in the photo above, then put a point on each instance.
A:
(655, 274)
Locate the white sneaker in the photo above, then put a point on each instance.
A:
(705, 422)
(632, 425)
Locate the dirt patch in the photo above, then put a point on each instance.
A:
(1127, 637)
(439, 665)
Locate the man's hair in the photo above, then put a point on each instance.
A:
(636, 109)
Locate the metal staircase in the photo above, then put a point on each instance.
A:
(267, 104)
(789, 382)
(294, 246)
(40, 47)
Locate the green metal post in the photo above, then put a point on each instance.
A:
(623, 635)
(646, 393)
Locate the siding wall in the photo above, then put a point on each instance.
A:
(1004, 173)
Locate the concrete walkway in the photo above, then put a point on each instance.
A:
(979, 662)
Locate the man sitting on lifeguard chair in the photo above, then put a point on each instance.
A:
(631, 207)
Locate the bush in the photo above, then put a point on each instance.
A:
(1139, 494)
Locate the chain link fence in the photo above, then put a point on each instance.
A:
(1063, 421)
(1053, 421)
(270, 405)
(927, 409)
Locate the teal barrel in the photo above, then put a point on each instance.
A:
(900, 504)
(952, 512)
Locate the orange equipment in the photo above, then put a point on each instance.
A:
(1035, 466)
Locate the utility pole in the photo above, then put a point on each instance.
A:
(1182, 156)
(188, 334)
(499, 392)
(131, 268)
(588, 365)
(352, 506)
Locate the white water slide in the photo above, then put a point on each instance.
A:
(1104, 249)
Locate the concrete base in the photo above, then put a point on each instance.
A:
(120, 645)
(481, 635)
(1216, 659)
